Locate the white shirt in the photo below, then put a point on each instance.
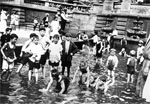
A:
(36, 50)
(26, 44)
(140, 51)
(95, 38)
(44, 41)
(55, 26)
(114, 60)
(115, 33)
(55, 50)
(67, 43)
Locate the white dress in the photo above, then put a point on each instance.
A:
(3, 23)
(55, 28)
(146, 89)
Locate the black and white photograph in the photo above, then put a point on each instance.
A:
(74, 51)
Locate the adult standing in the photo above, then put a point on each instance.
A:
(144, 70)
(69, 49)
(46, 20)
(54, 26)
(64, 19)
(3, 21)
(14, 20)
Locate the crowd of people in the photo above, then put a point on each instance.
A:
(54, 46)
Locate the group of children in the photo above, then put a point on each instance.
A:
(38, 49)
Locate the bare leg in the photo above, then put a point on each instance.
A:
(29, 75)
(19, 68)
(36, 75)
(128, 78)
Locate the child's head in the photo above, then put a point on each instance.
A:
(36, 39)
(32, 35)
(140, 43)
(132, 53)
(68, 36)
(13, 38)
(8, 30)
(112, 52)
(42, 32)
(55, 38)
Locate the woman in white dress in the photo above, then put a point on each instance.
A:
(146, 89)
(55, 26)
(3, 21)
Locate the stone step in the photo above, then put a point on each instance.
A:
(121, 28)
(122, 19)
(100, 22)
(99, 25)
(121, 23)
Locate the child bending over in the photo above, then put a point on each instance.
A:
(84, 71)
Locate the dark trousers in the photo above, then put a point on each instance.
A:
(68, 70)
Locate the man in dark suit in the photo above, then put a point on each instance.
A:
(69, 49)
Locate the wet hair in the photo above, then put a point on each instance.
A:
(36, 37)
(32, 35)
(8, 29)
(12, 36)
(56, 36)
(42, 29)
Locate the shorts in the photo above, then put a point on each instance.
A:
(33, 65)
(44, 57)
(130, 70)
(53, 63)
(7, 65)
(66, 63)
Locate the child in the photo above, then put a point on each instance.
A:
(8, 53)
(131, 66)
(35, 48)
(99, 48)
(111, 64)
(55, 50)
(35, 21)
(84, 72)
(101, 82)
(123, 46)
(62, 82)
(25, 55)
(6, 37)
(140, 51)
(45, 42)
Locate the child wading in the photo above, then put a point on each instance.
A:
(62, 82)
(131, 66)
(35, 48)
(111, 64)
(84, 72)
(8, 53)
(24, 54)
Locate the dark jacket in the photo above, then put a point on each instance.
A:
(72, 49)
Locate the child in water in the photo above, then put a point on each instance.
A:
(111, 64)
(9, 56)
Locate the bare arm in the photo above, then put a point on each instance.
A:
(50, 82)
(63, 87)
(75, 75)
(2, 50)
